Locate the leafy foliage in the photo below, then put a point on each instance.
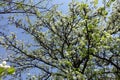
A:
(5, 69)
(82, 44)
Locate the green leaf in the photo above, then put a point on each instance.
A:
(90, 26)
(112, 0)
(37, 12)
(2, 70)
(104, 13)
(20, 5)
(67, 63)
(93, 50)
(95, 2)
(107, 34)
(2, 5)
(11, 70)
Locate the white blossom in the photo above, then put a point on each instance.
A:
(1, 65)
(4, 62)
(4, 65)
(7, 66)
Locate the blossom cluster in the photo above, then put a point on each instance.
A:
(4, 65)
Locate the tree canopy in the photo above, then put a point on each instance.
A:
(82, 44)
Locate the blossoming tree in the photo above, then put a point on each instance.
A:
(83, 44)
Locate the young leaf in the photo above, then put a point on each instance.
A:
(11, 70)
(95, 2)
(1, 70)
